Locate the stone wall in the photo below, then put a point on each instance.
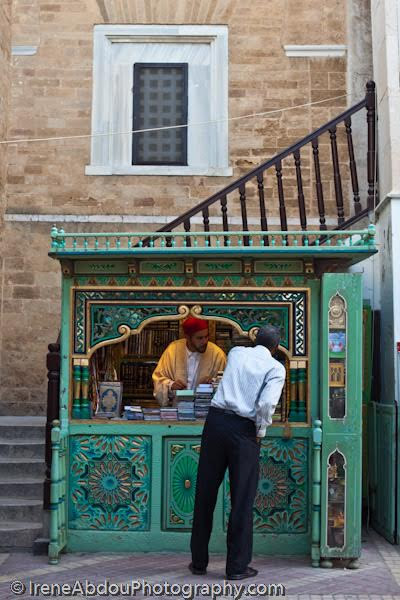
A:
(5, 50)
(5, 86)
(51, 96)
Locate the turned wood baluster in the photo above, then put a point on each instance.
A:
(206, 222)
(282, 208)
(353, 167)
(264, 223)
(336, 176)
(300, 194)
(372, 198)
(168, 241)
(53, 396)
(225, 225)
(243, 208)
(318, 185)
(186, 225)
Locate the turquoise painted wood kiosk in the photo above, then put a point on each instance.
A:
(124, 485)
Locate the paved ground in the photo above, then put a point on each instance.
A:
(377, 578)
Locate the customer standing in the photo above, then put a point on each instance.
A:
(240, 412)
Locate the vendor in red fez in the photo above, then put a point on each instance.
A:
(187, 362)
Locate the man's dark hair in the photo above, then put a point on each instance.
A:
(268, 336)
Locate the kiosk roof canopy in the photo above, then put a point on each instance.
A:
(353, 245)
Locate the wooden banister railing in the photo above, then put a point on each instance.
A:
(53, 363)
(345, 215)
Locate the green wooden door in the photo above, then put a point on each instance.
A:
(382, 452)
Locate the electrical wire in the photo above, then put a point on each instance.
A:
(134, 131)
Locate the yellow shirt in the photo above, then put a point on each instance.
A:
(173, 365)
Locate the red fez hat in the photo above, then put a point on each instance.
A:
(192, 325)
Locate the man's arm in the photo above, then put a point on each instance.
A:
(269, 398)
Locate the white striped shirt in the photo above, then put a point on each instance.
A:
(246, 372)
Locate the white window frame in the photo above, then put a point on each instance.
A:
(112, 106)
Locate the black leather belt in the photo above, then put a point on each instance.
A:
(224, 410)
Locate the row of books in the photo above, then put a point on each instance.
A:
(136, 376)
(152, 341)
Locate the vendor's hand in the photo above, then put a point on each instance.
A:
(206, 380)
(259, 440)
(178, 385)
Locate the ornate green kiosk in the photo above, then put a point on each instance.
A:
(125, 485)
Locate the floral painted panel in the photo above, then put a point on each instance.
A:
(281, 504)
(109, 482)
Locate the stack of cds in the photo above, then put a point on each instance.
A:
(151, 414)
(133, 413)
(203, 397)
(169, 414)
(186, 411)
(185, 404)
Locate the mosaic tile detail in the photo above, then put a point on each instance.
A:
(109, 482)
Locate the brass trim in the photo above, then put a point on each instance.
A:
(125, 333)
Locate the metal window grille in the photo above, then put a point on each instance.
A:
(160, 99)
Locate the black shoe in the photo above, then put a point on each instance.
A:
(249, 572)
(196, 571)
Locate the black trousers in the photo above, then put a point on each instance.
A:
(228, 441)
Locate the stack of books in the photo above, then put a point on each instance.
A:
(169, 414)
(133, 413)
(203, 397)
(151, 414)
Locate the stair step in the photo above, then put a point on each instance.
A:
(22, 466)
(21, 509)
(20, 448)
(18, 534)
(32, 428)
(22, 487)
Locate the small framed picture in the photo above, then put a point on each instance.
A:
(337, 341)
(110, 394)
(336, 374)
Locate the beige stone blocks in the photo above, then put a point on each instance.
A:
(50, 95)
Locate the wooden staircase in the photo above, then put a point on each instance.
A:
(262, 190)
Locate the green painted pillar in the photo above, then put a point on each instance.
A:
(316, 495)
(293, 410)
(77, 377)
(302, 391)
(85, 405)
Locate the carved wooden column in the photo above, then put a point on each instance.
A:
(53, 395)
